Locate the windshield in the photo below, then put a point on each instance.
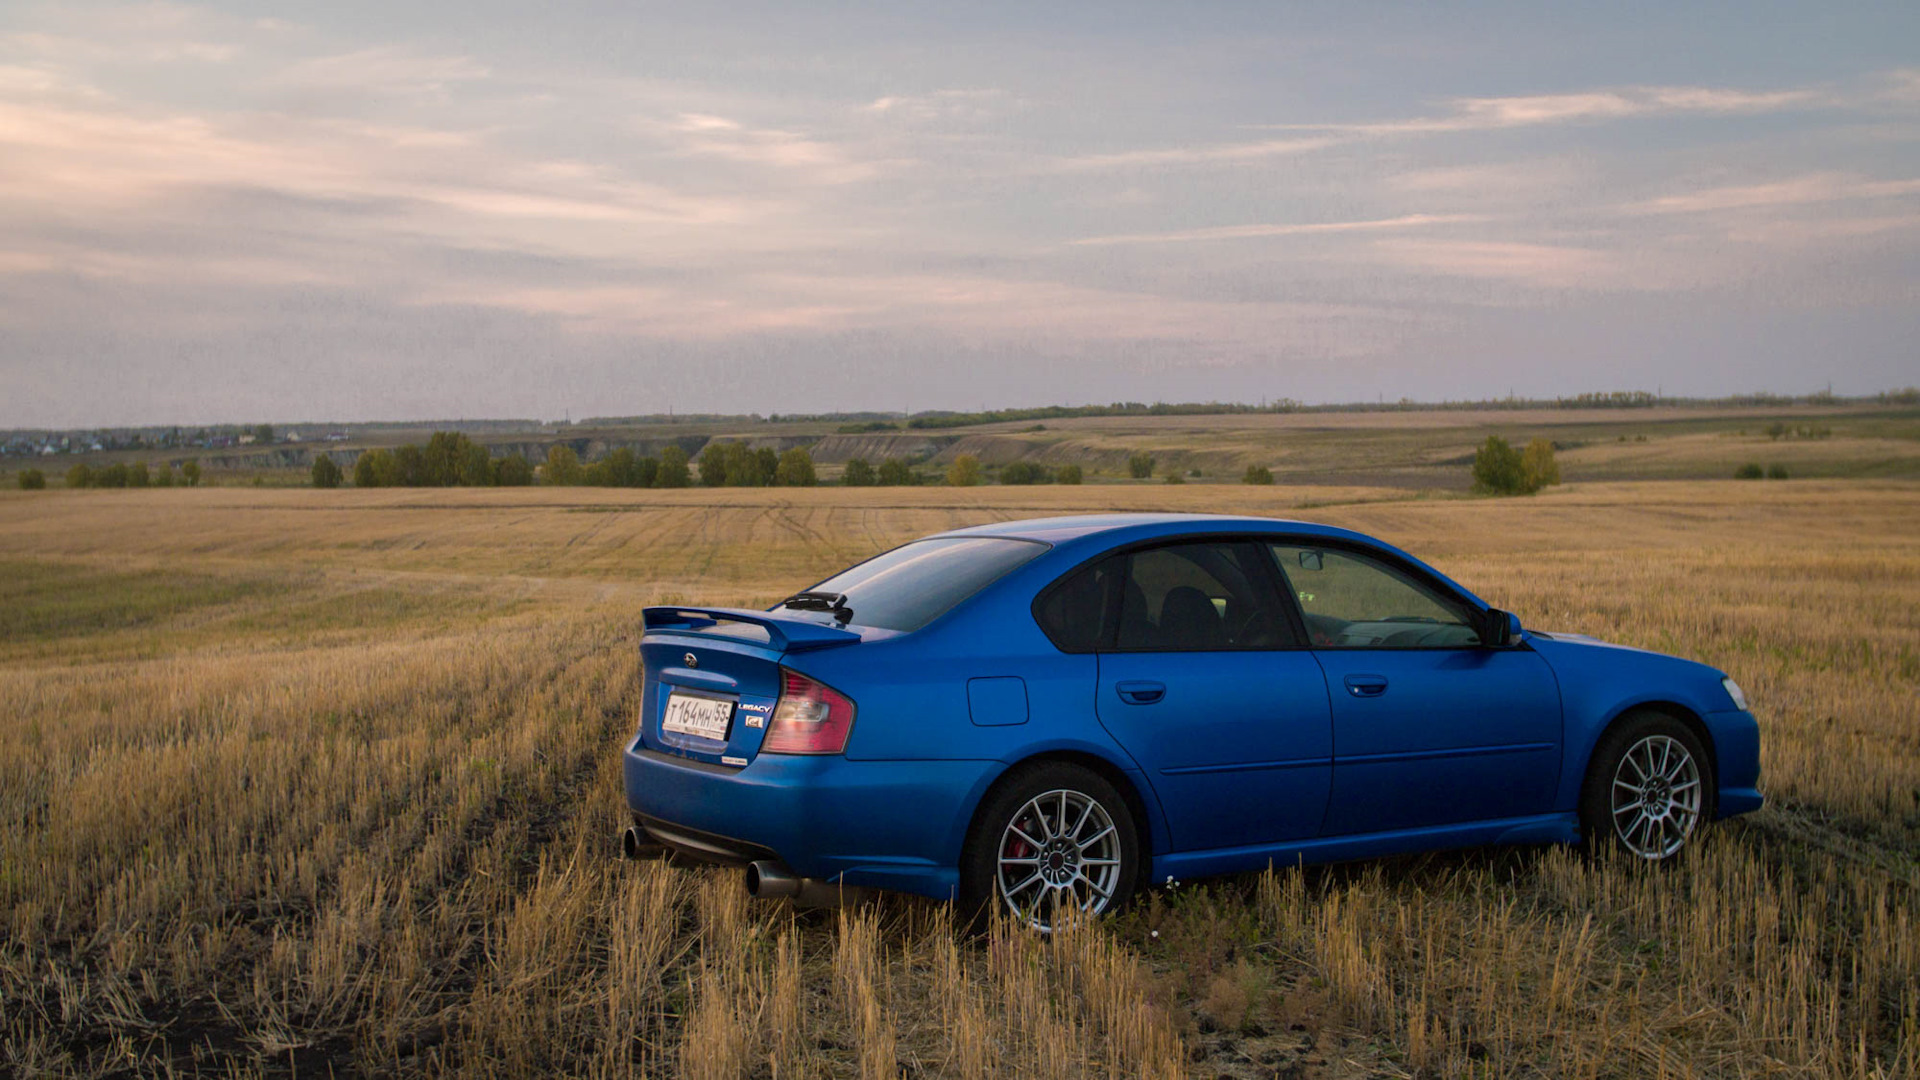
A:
(912, 585)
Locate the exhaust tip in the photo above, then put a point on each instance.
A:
(770, 881)
(635, 844)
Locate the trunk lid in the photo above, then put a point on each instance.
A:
(725, 664)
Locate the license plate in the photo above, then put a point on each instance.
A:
(688, 714)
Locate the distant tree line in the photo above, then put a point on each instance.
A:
(735, 464)
(134, 475)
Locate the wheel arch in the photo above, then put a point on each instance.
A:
(1102, 767)
(1673, 710)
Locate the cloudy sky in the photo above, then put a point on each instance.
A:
(376, 210)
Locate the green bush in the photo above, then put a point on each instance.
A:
(1776, 472)
(964, 472)
(80, 476)
(1750, 471)
(113, 476)
(1068, 474)
(1025, 472)
(32, 480)
(1499, 469)
(794, 469)
(476, 466)
(895, 473)
(1537, 467)
(563, 466)
(164, 478)
(373, 468)
(325, 473)
(1258, 474)
(512, 471)
(858, 474)
(190, 472)
(646, 472)
(411, 463)
(1140, 465)
(673, 469)
(138, 476)
(1174, 477)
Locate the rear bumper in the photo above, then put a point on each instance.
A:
(879, 824)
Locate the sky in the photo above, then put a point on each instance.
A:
(235, 211)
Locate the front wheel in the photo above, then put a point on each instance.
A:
(1050, 838)
(1649, 787)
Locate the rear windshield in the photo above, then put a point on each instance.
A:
(910, 586)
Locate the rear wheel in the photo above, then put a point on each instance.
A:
(1649, 787)
(1051, 838)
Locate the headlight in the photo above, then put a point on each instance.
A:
(1734, 692)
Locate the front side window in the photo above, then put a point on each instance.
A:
(914, 584)
(1193, 597)
(1355, 602)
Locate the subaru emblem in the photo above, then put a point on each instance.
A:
(692, 660)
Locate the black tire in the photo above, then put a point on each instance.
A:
(1080, 869)
(1621, 795)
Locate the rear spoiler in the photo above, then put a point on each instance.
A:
(783, 632)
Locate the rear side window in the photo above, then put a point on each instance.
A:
(1207, 596)
(912, 585)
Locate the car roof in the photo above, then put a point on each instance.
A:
(1121, 527)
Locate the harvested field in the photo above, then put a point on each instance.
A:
(299, 781)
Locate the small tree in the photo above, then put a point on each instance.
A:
(964, 472)
(1068, 474)
(476, 465)
(858, 474)
(1750, 471)
(766, 462)
(1024, 472)
(32, 480)
(164, 478)
(1174, 477)
(263, 433)
(374, 468)
(138, 476)
(190, 472)
(113, 476)
(80, 476)
(1497, 469)
(1537, 467)
(325, 473)
(621, 467)
(646, 472)
(410, 462)
(795, 469)
(1258, 474)
(673, 469)
(894, 473)
(512, 471)
(713, 464)
(1140, 465)
(1776, 472)
(563, 466)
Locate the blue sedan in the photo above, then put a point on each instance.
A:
(1060, 712)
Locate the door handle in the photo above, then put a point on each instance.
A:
(1141, 693)
(1366, 685)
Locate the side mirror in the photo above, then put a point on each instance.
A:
(1499, 629)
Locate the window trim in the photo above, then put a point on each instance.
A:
(1443, 592)
(1265, 571)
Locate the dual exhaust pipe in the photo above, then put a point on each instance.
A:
(765, 879)
(769, 880)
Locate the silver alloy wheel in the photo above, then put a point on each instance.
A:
(1060, 849)
(1656, 797)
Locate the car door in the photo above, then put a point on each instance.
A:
(1203, 681)
(1429, 726)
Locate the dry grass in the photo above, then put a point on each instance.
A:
(297, 781)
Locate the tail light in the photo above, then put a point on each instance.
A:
(811, 718)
